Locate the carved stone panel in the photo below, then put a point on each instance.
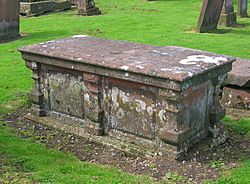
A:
(131, 107)
(66, 94)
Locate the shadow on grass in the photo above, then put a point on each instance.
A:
(220, 31)
(44, 35)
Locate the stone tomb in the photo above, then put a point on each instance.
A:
(37, 7)
(159, 99)
(209, 15)
(242, 8)
(9, 19)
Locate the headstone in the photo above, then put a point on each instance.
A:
(162, 99)
(242, 8)
(228, 16)
(209, 15)
(9, 19)
(87, 8)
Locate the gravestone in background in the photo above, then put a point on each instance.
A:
(9, 19)
(37, 7)
(228, 16)
(242, 8)
(209, 16)
(87, 8)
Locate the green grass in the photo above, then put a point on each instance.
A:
(50, 166)
(241, 126)
(162, 22)
(237, 176)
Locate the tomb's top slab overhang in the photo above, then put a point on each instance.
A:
(175, 63)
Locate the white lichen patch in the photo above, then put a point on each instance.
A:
(192, 60)
(156, 51)
(140, 67)
(150, 110)
(125, 67)
(116, 93)
(79, 59)
(87, 98)
(120, 113)
(162, 116)
(124, 97)
(141, 105)
(79, 36)
(119, 98)
(33, 65)
(190, 74)
(166, 69)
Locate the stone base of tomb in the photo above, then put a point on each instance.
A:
(126, 142)
(88, 133)
(89, 12)
(236, 98)
(227, 20)
(37, 8)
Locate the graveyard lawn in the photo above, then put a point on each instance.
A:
(25, 162)
(156, 22)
